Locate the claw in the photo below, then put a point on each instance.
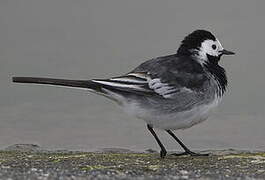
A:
(163, 154)
(189, 153)
(197, 154)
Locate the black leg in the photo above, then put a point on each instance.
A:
(187, 151)
(163, 151)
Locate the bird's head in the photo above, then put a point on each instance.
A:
(204, 46)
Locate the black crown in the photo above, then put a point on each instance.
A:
(193, 41)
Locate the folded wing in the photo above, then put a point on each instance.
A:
(142, 83)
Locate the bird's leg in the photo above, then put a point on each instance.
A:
(163, 151)
(187, 151)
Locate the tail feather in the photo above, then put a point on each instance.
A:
(86, 84)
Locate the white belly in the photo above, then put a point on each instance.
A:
(173, 121)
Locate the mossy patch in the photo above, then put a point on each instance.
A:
(257, 158)
(89, 168)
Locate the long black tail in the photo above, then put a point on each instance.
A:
(87, 84)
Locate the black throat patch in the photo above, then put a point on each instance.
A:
(218, 72)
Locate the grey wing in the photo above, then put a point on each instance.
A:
(142, 83)
(135, 83)
(168, 77)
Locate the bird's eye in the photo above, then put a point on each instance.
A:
(214, 46)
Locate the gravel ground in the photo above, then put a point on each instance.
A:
(31, 162)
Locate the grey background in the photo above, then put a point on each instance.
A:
(82, 39)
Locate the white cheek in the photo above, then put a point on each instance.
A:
(220, 47)
(207, 49)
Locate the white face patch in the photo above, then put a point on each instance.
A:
(210, 47)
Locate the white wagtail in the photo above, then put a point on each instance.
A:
(170, 92)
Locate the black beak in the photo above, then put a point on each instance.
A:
(225, 52)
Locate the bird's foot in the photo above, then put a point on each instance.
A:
(189, 153)
(163, 154)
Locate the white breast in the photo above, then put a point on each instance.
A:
(173, 121)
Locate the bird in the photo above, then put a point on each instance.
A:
(170, 92)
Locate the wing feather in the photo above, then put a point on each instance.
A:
(143, 83)
(129, 82)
